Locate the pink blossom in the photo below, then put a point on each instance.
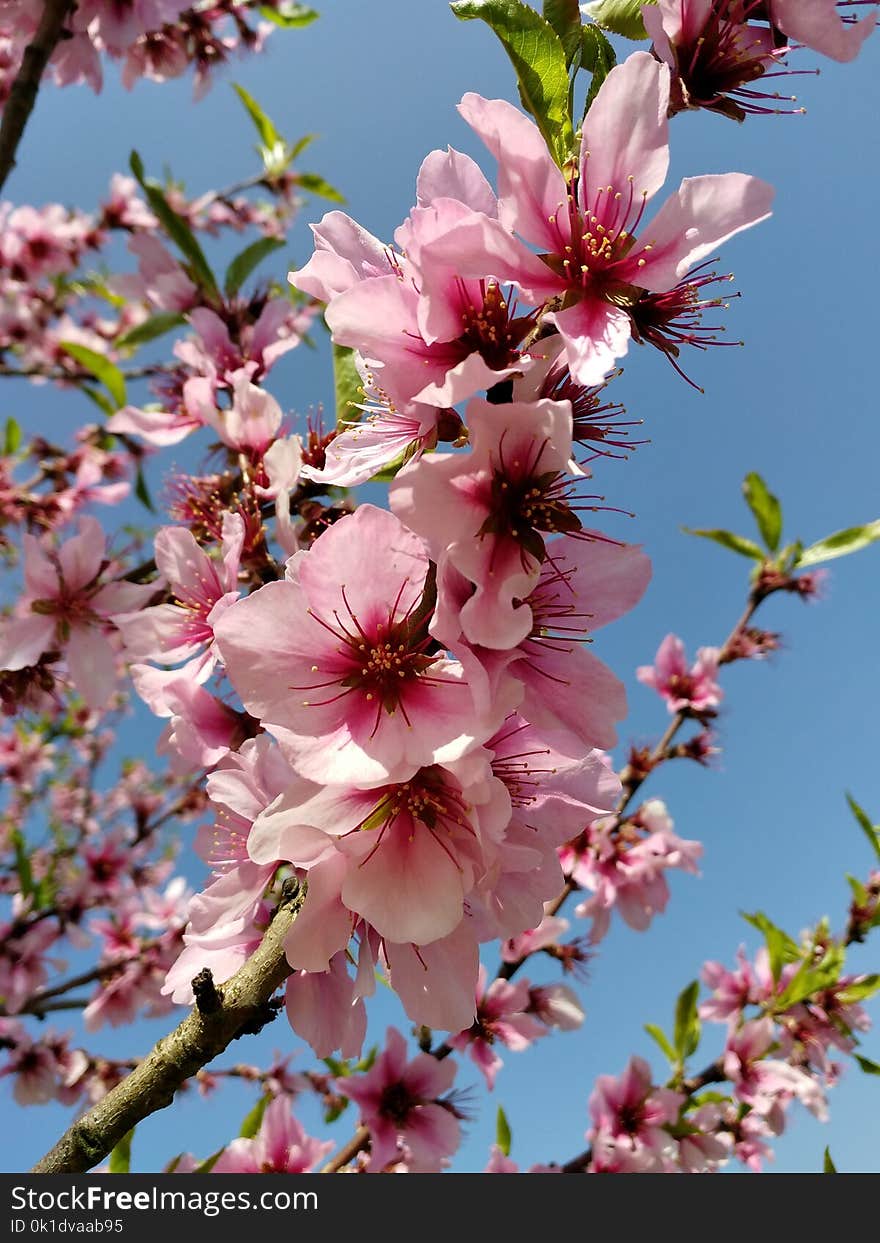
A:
(624, 867)
(716, 55)
(201, 728)
(486, 512)
(695, 689)
(335, 661)
(65, 607)
(582, 585)
(629, 1119)
(734, 990)
(766, 1083)
(502, 1018)
(203, 589)
(345, 254)
(406, 1108)
(586, 228)
(818, 24)
(280, 1146)
(326, 1010)
(405, 855)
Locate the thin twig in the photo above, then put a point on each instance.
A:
(23, 95)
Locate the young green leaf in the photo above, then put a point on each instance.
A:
(621, 17)
(538, 57)
(142, 492)
(244, 263)
(100, 367)
(766, 509)
(860, 990)
(208, 1164)
(686, 1032)
(828, 1166)
(598, 56)
(254, 1119)
(871, 831)
(289, 15)
(565, 18)
(727, 539)
(657, 1034)
(502, 1132)
(265, 127)
(120, 1157)
(11, 437)
(347, 385)
(176, 228)
(869, 1067)
(841, 544)
(156, 326)
(319, 186)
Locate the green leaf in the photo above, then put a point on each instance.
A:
(599, 57)
(315, 184)
(254, 1120)
(120, 1157)
(621, 17)
(781, 948)
(243, 264)
(657, 1033)
(869, 1067)
(22, 863)
(142, 492)
(871, 831)
(269, 136)
(347, 385)
(860, 990)
(812, 978)
(686, 1032)
(841, 544)
(727, 539)
(177, 228)
(11, 437)
(100, 367)
(156, 326)
(565, 18)
(289, 15)
(859, 892)
(538, 57)
(101, 400)
(208, 1164)
(502, 1132)
(766, 508)
(828, 1166)
(299, 147)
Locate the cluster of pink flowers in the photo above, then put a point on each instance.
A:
(154, 39)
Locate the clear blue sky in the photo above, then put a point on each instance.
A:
(380, 82)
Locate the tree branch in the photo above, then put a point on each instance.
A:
(178, 1056)
(23, 94)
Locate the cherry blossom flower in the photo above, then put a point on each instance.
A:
(66, 608)
(280, 1146)
(695, 689)
(819, 25)
(486, 512)
(337, 662)
(203, 589)
(629, 1116)
(502, 1018)
(589, 228)
(406, 1107)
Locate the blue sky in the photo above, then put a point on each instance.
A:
(380, 83)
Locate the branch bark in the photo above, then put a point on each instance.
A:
(177, 1057)
(23, 94)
